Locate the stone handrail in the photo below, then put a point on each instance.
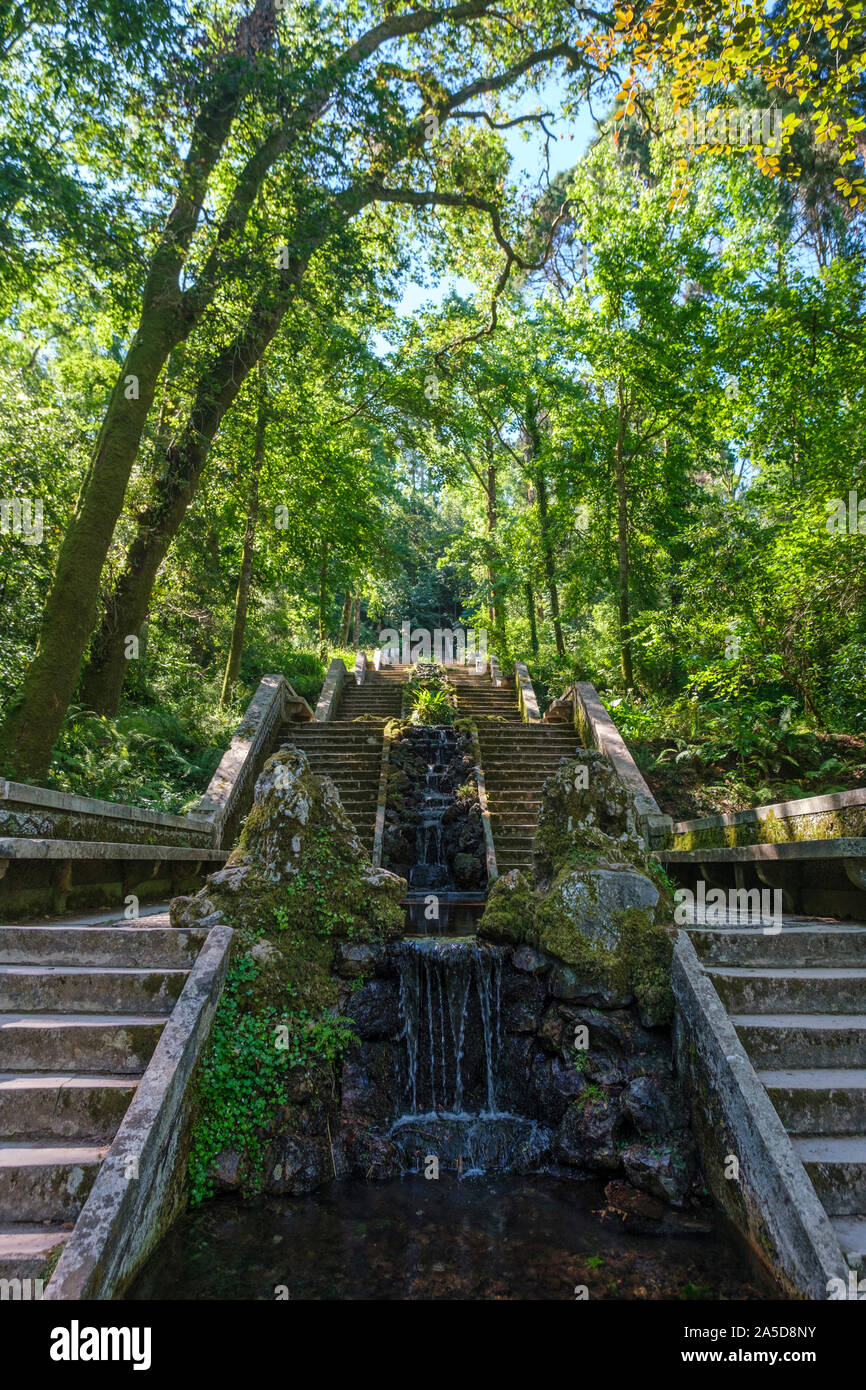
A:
(495, 669)
(772, 1203)
(329, 699)
(230, 790)
(489, 848)
(597, 730)
(526, 694)
(43, 813)
(806, 818)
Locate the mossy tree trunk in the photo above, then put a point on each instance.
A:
(345, 620)
(529, 594)
(185, 459)
(620, 474)
(167, 316)
(233, 664)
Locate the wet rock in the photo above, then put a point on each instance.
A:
(372, 1085)
(566, 983)
(653, 1106)
(515, 1091)
(369, 1155)
(298, 1164)
(374, 1010)
(588, 1133)
(523, 999)
(556, 1083)
(353, 959)
(534, 962)
(468, 871)
(664, 1171)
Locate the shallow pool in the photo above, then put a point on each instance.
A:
(538, 1237)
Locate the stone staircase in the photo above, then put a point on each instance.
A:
(798, 1003)
(517, 759)
(82, 1007)
(351, 752)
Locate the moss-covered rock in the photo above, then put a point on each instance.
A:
(509, 914)
(587, 817)
(599, 905)
(298, 888)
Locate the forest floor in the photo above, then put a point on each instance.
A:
(689, 788)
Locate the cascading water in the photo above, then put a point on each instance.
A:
(430, 871)
(450, 1013)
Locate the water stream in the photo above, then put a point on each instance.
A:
(451, 1025)
(431, 875)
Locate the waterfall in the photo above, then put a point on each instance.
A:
(445, 984)
(450, 1014)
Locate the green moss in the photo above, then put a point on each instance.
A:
(276, 1029)
(509, 914)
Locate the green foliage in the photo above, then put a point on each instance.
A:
(245, 1076)
(430, 695)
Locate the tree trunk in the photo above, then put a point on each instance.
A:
(531, 439)
(36, 716)
(496, 601)
(233, 665)
(218, 386)
(345, 620)
(323, 600)
(548, 558)
(158, 522)
(622, 544)
(530, 612)
(356, 625)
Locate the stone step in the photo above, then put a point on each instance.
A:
(525, 758)
(532, 736)
(89, 989)
(62, 1106)
(348, 757)
(799, 989)
(25, 1247)
(338, 736)
(803, 1040)
(811, 945)
(836, 1164)
(363, 785)
(819, 1100)
(362, 763)
(46, 1181)
(122, 945)
(851, 1235)
(111, 1043)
